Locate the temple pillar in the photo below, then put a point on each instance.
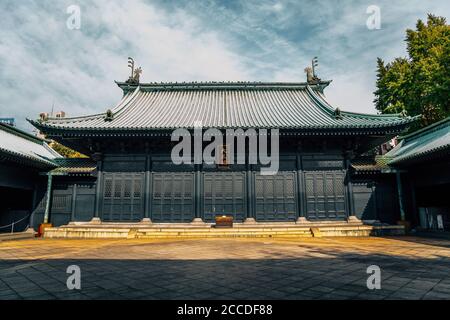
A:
(301, 198)
(98, 188)
(198, 217)
(250, 217)
(351, 218)
(400, 195)
(48, 202)
(147, 192)
(74, 201)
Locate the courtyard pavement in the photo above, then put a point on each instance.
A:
(316, 268)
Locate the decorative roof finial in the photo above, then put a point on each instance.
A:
(135, 73)
(338, 114)
(314, 63)
(131, 66)
(109, 115)
(311, 76)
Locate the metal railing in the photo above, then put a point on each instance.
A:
(14, 223)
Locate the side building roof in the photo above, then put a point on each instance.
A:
(21, 147)
(429, 142)
(75, 166)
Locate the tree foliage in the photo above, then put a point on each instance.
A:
(420, 83)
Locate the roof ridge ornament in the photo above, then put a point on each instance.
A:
(338, 114)
(109, 115)
(311, 76)
(135, 73)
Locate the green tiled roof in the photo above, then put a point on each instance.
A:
(19, 146)
(371, 164)
(431, 141)
(167, 106)
(74, 166)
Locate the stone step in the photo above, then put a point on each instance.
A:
(157, 232)
(17, 236)
(148, 235)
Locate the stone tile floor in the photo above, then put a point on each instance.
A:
(325, 268)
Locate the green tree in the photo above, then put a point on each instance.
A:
(420, 83)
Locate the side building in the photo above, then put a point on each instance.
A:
(23, 159)
(422, 164)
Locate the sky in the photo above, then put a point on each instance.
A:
(46, 65)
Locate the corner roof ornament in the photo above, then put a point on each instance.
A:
(135, 73)
(311, 76)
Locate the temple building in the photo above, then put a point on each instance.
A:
(324, 171)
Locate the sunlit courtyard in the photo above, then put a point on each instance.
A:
(310, 268)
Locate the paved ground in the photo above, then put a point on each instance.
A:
(412, 268)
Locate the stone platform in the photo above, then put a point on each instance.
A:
(240, 230)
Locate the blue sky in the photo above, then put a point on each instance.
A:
(42, 62)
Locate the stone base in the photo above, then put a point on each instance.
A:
(146, 221)
(30, 230)
(95, 221)
(405, 224)
(302, 220)
(250, 221)
(198, 221)
(204, 230)
(353, 219)
(42, 228)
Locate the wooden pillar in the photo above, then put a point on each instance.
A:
(148, 190)
(74, 201)
(349, 189)
(301, 196)
(98, 187)
(400, 195)
(351, 205)
(415, 212)
(250, 193)
(197, 192)
(48, 202)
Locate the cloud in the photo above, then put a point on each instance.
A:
(43, 63)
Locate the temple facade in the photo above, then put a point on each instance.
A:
(131, 176)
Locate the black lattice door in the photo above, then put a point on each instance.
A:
(173, 197)
(276, 197)
(224, 194)
(123, 198)
(325, 195)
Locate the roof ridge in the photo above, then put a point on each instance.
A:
(21, 133)
(232, 85)
(38, 158)
(91, 116)
(321, 102)
(426, 130)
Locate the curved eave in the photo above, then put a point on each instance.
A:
(24, 159)
(327, 107)
(436, 153)
(286, 131)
